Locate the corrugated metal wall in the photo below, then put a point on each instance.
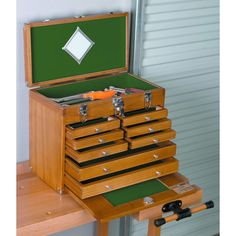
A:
(177, 47)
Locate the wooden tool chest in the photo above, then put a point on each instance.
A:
(115, 155)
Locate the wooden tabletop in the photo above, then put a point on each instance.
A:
(41, 210)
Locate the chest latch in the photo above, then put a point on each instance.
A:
(83, 112)
(147, 100)
(118, 104)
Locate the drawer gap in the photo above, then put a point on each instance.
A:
(89, 122)
(130, 113)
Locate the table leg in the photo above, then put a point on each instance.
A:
(152, 229)
(102, 228)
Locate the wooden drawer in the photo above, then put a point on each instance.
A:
(149, 139)
(143, 116)
(120, 162)
(95, 139)
(99, 152)
(79, 130)
(95, 110)
(92, 188)
(148, 128)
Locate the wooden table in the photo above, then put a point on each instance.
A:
(41, 210)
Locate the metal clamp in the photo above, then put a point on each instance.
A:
(147, 100)
(83, 112)
(118, 104)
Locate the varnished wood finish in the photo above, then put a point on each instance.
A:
(147, 128)
(47, 141)
(28, 50)
(136, 101)
(95, 110)
(152, 229)
(101, 209)
(125, 162)
(150, 139)
(92, 129)
(144, 117)
(102, 228)
(100, 152)
(168, 166)
(95, 139)
(41, 210)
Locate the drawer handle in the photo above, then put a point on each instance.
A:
(108, 187)
(155, 156)
(104, 153)
(158, 173)
(105, 170)
(100, 140)
(147, 118)
(151, 130)
(97, 130)
(155, 141)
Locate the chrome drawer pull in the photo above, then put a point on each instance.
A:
(100, 140)
(155, 156)
(158, 173)
(155, 141)
(147, 118)
(105, 170)
(97, 130)
(108, 187)
(104, 153)
(151, 130)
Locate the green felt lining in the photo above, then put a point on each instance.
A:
(134, 192)
(50, 62)
(122, 81)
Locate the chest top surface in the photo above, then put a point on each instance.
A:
(68, 49)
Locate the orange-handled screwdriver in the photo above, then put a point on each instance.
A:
(90, 95)
(99, 94)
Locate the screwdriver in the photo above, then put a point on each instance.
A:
(90, 95)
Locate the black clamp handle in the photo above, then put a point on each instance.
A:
(180, 213)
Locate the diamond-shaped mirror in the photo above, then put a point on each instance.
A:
(78, 45)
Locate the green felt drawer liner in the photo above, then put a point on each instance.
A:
(134, 192)
(124, 80)
(50, 62)
(89, 122)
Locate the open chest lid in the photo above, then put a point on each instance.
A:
(76, 48)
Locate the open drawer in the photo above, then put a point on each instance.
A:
(131, 200)
(147, 128)
(94, 140)
(118, 162)
(96, 126)
(144, 140)
(143, 116)
(119, 180)
(96, 152)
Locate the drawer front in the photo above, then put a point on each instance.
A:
(95, 109)
(95, 139)
(101, 152)
(151, 139)
(148, 128)
(144, 117)
(125, 162)
(136, 101)
(110, 124)
(168, 166)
